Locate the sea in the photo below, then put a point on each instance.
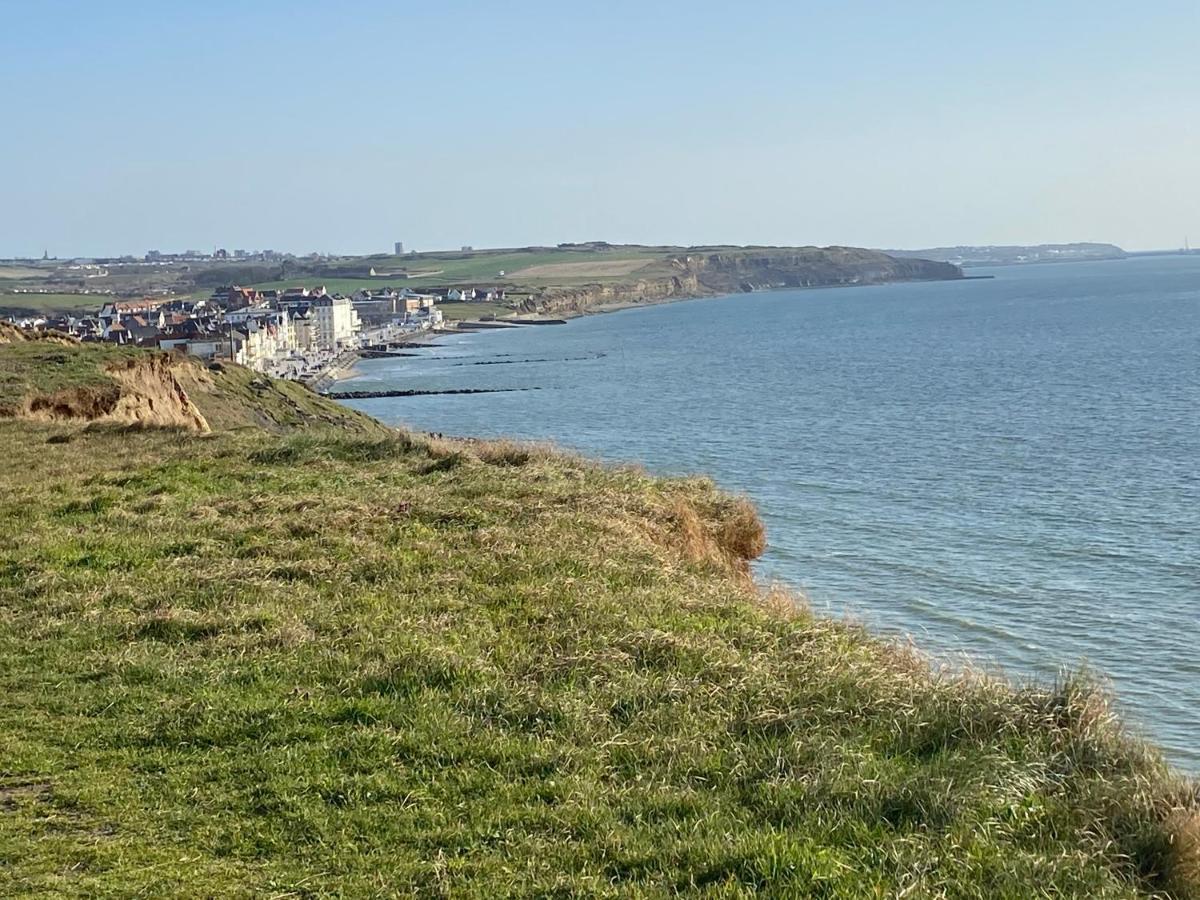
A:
(1004, 470)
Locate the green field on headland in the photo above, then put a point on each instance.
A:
(533, 268)
(567, 279)
(28, 302)
(305, 655)
(531, 265)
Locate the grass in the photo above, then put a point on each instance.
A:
(26, 303)
(481, 267)
(228, 396)
(44, 367)
(18, 273)
(249, 664)
(486, 265)
(458, 311)
(236, 397)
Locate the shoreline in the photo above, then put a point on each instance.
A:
(344, 366)
(430, 338)
(401, 411)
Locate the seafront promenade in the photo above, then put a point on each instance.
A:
(329, 368)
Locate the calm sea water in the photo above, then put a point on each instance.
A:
(1006, 468)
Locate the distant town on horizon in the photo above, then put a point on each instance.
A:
(969, 253)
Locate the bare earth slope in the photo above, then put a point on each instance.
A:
(55, 378)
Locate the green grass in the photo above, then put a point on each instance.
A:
(458, 311)
(480, 267)
(485, 266)
(236, 397)
(44, 367)
(52, 303)
(354, 665)
(228, 397)
(19, 273)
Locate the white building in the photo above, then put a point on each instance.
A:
(335, 323)
(270, 334)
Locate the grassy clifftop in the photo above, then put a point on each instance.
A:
(379, 663)
(57, 379)
(701, 272)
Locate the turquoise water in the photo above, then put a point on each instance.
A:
(1007, 469)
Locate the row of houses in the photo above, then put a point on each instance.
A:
(268, 330)
(389, 304)
(254, 328)
(475, 295)
(398, 302)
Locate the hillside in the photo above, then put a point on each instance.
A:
(708, 272)
(351, 661)
(578, 278)
(630, 272)
(56, 379)
(1006, 255)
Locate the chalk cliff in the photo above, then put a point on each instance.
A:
(701, 274)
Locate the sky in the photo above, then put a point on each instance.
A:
(343, 127)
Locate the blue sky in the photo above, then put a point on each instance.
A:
(344, 127)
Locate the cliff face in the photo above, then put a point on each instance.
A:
(644, 290)
(50, 377)
(55, 379)
(812, 267)
(142, 392)
(722, 272)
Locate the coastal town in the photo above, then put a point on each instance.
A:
(300, 333)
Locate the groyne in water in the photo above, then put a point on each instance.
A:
(369, 395)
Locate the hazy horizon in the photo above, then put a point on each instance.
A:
(297, 128)
(300, 254)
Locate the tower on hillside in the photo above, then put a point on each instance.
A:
(399, 248)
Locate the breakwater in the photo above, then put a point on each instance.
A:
(370, 395)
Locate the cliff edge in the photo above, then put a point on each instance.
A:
(701, 273)
(54, 378)
(348, 660)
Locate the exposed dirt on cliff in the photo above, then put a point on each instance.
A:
(87, 403)
(151, 396)
(140, 392)
(11, 334)
(590, 296)
(59, 379)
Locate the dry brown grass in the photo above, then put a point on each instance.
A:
(740, 533)
(511, 453)
(784, 602)
(11, 334)
(725, 531)
(86, 403)
(1183, 829)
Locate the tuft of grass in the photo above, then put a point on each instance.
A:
(346, 662)
(1182, 854)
